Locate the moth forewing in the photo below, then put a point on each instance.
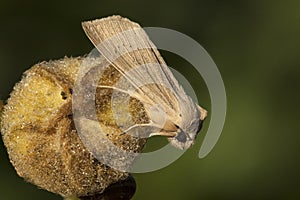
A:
(128, 48)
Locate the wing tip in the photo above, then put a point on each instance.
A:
(112, 18)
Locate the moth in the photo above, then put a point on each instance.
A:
(147, 78)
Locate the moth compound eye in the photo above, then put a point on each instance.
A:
(181, 137)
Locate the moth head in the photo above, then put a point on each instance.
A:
(185, 136)
(181, 140)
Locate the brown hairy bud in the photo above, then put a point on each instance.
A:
(41, 139)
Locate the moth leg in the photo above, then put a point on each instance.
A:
(137, 125)
(167, 134)
(114, 88)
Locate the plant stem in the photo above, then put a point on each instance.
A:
(71, 198)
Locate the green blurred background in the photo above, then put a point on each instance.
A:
(256, 46)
